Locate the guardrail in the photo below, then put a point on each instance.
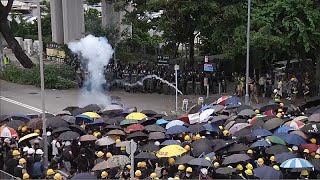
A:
(5, 175)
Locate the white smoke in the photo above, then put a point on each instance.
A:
(95, 52)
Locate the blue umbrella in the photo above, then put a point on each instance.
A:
(232, 106)
(98, 122)
(177, 130)
(261, 132)
(83, 119)
(293, 139)
(284, 129)
(233, 100)
(260, 143)
(210, 155)
(296, 163)
(206, 107)
(162, 121)
(170, 142)
(211, 127)
(17, 117)
(267, 172)
(282, 157)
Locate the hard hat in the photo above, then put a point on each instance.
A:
(276, 167)
(216, 164)
(30, 151)
(313, 140)
(39, 152)
(25, 149)
(249, 151)
(257, 111)
(24, 129)
(202, 137)
(208, 158)
(100, 154)
(153, 175)
(143, 164)
(295, 148)
(198, 136)
(239, 167)
(279, 115)
(187, 138)
(181, 167)
(176, 178)
(50, 172)
(139, 164)
(229, 166)
(137, 173)
(68, 143)
(108, 155)
(187, 147)
(171, 161)
(249, 166)
(189, 170)
(204, 171)
(275, 90)
(25, 176)
(214, 158)
(37, 131)
(104, 174)
(260, 161)
(280, 110)
(306, 151)
(272, 159)
(221, 127)
(15, 153)
(122, 148)
(317, 156)
(281, 104)
(248, 172)
(304, 173)
(57, 176)
(118, 140)
(157, 143)
(225, 132)
(22, 161)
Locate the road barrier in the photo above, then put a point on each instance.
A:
(4, 175)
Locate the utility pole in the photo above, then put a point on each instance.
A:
(248, 53)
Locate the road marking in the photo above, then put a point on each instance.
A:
(22, 104)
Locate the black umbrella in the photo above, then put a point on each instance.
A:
(69, 119)
(282, 157)
(154, 128)
(277, 149)
(158, 116)
(55, 122)
(237, 148)
(200, 162)
(61, 130)
(266, 172)
(77, 129)
(243, 107)
(246, 112)
(15, 124)
(149, 113)
(196, 128)
(156, 135)
(195, 109)
(170, 117)
(112, 112)
(218, 119)
(68, 136)
(267, 107)
(184, 159)
(145, 155)
(70, 108)
(112, 127)
(273, 123)
(48, 115)
(115, 120)
(316, 164)
(92, 108)
(35, 123)
(78, 111)
(314, 101)
(220, 143)
(235, 158)
(86, 176)
(312, 128)
(201, 146)
(150, 147)
(137, 134)
(225, 170)
(148, 121)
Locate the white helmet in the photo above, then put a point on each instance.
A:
(204, 171)
(275, 90)
(30, 151)
(39, 151)
(25, 149)
(157, 143)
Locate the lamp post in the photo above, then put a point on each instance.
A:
(44, 131)
(248, 53)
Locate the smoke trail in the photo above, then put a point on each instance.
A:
(96, 53)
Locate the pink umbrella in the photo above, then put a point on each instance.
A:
(7, 132)
(297, 125)
(222, 100)
(238, 127)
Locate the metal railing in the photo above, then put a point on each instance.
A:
(5, 175)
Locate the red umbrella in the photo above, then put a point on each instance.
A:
(222, 100)
(300, 133)
(7, 132)
(135, 127)
(295, 124)
(311, 147)
(185, 118)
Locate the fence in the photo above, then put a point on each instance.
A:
(4, 175)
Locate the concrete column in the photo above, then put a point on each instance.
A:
(56, 21)
(73, 20)
(108, 14)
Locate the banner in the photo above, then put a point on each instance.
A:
(209, 68)
(55, 52)
(194, 118)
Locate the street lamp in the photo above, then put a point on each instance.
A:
(44, 130)
(248, 53)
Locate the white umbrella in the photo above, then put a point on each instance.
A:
(205, 115)
(174, 123)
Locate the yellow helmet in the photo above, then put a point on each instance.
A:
(137, 173)
(306, 151)
(176, 178)
(272, 159)
(198, 136)
(257, 111)
(187, 147)
(22, 161)
(181, 167)
(279, 115)
(50, 172)
(37, 131)
(104, 174)
(100, 154)
(118, 140)
(187, 138)
(248, 172)
(128, 166)
(249, 151)
(153, 175)
(143, 164)
(24, 129)
(313, 140)
(189, 170)
(216, 164)
(249, 166)
(281, 104)
(260, 161)
(122, 148)
(139, 164)
(317, 156)
(225, 132)
(208, 158)
(304, 173)
(239, 167)
(276, 167)
(220, 127)
(25, 176)
(108, 155)
(171, 161)
(57, 176)
(15, 153)
(280, 110)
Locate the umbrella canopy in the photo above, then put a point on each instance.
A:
(129, 110)
(261, 132)
(35, 123)
(92, 107)
(316, 164)
(275, 140)
(269, 106)
(28, 136)
(293, 139)
(295, 124)
(311, 128)
(55, 122)
(184, 159)
(135, 127)
(170, 142)
(104, 165)
(162, 121)
(243, 107)
(120, 160)
(60, 130)
(69, 119)
(69, 135)
(149, 113)
(280, 158)
(83, 119)
(110, 127)
(88, 137)
(150, 147)
(300, 118)
(222, 100)
(136, 116)
(217, 108)
(272, 123)
(148, 121)
(300, 133)
(92, 115)
(15, 124)
(284, 129)
(237, 148)
(218, 118)
(201, 146)
(155, 128)
(70, 108)
(128, 122)
(200, 162)
(229, 125)
(98, 122)
(220, 144)
(246, 112)
(196, 128)
(314, 118)
(296, 163)
(235, 158)
(17, 117)
(105, 141)
(177, 130)
(310, 147)
(137, 134)
(211, 127)
(225, 170)
(266, 172)
(7, 132)
(156, 136)
(260, 143)
(145, 155)
(238, 127)
(174, 123)
(77, 129)
(85, 176)
(233, 100)
(277, 149)
(171, 150)
(209, 100)
(116, 132)
(194, 109)
(205, 114)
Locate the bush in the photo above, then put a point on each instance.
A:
(55, 76)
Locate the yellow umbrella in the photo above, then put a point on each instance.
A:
(136, 116)
(28, 136)
(92, 115)
(171, 150)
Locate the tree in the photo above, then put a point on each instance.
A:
(9, 37)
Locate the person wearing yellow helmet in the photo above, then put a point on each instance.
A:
(225, 132)
(153, 175)
(25, 176)
(248, 174)
(171, 161)
(104, 175)
(313, 140)
(181, 171)
(37, 131)
(260, 162)
(276, 167)
(50, 174)
(216, 165)
(317, 156)
(186, 138)
(18, 170)
(304, 174)
(57, 176)
(187, 147)
(188, 174)
(239, 167)
(99, 158)
(118, 141)
(108, 155)
(272, 159)
(137, 174)
(257, 111)
(249, 166)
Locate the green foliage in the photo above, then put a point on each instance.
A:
(56, 76)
